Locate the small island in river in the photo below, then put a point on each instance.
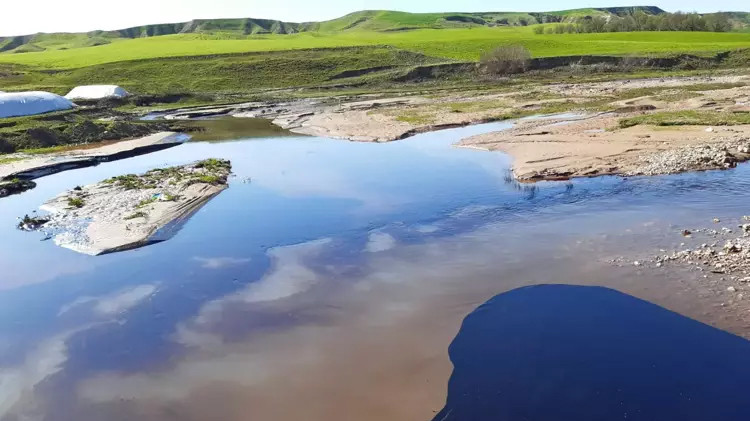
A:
(131, 211)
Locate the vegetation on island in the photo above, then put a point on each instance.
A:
(209, 171)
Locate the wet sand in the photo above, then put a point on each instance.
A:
(553, 149)
(559, 149)
(129, 212)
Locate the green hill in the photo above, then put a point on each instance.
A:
(227, 56)
(238, 26)
(368, 20)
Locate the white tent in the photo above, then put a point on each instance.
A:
(97, 92)
(17, 104)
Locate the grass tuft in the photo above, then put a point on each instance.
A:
(76, 202)
(687, 118)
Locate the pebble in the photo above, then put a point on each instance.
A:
(700, 157)
(729, 258)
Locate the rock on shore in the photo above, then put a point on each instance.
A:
(132, 211)
(720, 254)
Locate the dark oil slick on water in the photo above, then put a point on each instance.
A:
(561, 352)
(310, 233)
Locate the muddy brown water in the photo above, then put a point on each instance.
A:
(328, 281)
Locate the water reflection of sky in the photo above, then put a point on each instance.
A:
(73, 316)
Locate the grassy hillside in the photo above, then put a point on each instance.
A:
(384, 20)
(368, 20)
(451, 44)
(237, 73)
(227, 56)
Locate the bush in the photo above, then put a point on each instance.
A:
(506, 60)
(539, 29)
(640, 21)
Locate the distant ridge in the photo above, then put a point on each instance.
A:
(366, 20)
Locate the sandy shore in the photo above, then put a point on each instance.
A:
(568, 146)
(34, 166)
(542, 149)
(132, 211)
(558, 149)
(388, 119)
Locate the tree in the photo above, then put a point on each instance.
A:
(718, 22)
(640, 21)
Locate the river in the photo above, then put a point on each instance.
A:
(327, 282)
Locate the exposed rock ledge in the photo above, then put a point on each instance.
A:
(132, 211)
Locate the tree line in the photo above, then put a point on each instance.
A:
(640, 21)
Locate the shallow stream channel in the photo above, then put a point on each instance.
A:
(329, 280)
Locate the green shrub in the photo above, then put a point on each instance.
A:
(76, 202)
(508, 59)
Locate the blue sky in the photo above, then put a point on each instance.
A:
(23, 17)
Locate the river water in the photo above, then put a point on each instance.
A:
(327, 282)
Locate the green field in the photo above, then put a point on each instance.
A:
(237, 73)
(464, 44)
(252, 56)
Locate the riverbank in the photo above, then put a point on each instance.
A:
(19, 169)
(613, 127)
(619, 127)
(558, 149)
(719, 254)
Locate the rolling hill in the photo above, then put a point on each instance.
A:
(230, 56)
(367, 20)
